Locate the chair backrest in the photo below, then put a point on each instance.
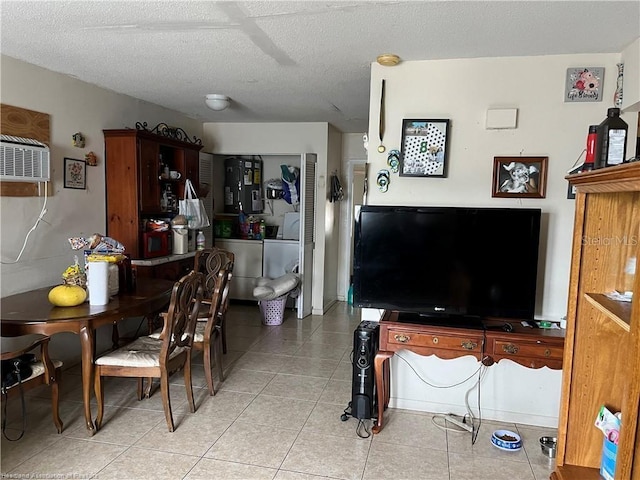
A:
(220, 285)
(209, 262)
(182, 315)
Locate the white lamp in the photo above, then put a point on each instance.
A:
(217, 102)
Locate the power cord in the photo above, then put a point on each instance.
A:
(40, 218)
(463, 425)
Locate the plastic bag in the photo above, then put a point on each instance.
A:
(193, 208)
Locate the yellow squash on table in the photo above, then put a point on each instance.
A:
(67, 295)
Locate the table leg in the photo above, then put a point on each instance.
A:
(88, 347)
(381, 369)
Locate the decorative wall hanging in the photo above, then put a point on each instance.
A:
(175, 133)
(584, 84)
(78, 140)
(75, 174)
(424, 148)
(519, 177)
(393, 160)
(617, 95)
(91, 159)
(383, 180)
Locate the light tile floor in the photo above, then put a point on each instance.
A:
(276, 416)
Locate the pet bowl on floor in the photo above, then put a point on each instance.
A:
(506, 440)
(548, 446)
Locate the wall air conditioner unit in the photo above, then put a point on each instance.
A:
(23, 160)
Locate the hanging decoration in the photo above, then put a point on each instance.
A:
(337, 192)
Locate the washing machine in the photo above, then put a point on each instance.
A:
(280, 257)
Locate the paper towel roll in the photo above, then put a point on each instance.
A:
(98, 280)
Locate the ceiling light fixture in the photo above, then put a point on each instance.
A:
(217, 102)
(388, 59)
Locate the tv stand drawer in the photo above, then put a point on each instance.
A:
(532, 353)
(445, 344)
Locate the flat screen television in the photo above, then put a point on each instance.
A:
(447, 262)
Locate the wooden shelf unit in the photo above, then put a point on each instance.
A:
(134, 186)
(601, 362)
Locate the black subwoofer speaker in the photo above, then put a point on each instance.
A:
(363, 387)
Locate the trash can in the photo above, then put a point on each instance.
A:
(273, 310)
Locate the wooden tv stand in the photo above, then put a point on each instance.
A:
(530, 347)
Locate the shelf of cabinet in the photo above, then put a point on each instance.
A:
(619, 312)
(571, 472)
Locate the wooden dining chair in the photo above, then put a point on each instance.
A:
(210, 261)
(208, 335)
(44, 371)
(148, 357)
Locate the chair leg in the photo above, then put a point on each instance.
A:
(218, 348)
(147, 391)
(166, 401)
(140, 387)
(55, 400)
(208, 373)
(188, 384)
(223, 328)
(99, 398)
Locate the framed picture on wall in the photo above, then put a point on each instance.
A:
(519, 177)
(75, 174)
(424, 148)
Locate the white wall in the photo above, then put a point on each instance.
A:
(73, 106)
(286, 139)
(462, 91)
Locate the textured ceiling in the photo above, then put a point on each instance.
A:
(290, 61)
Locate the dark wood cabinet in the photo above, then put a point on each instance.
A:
(135, 182)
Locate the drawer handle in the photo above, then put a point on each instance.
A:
(402, 338)
(510, 348)
(547, 352)
(435, 340)
(469, 345)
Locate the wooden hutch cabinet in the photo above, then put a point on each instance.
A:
(601, 362)
(135, 161)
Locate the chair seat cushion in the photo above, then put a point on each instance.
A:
(199, 334)
(142, 352)
(37, 369)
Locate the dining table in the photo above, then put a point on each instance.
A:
(31, 312)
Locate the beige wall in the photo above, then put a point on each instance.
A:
(73, 106)
(462, 91)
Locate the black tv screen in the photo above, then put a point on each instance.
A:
(447, 261)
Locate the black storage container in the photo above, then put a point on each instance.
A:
(611, 140)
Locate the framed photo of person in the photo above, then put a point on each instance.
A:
(424, 148)
(519, 177)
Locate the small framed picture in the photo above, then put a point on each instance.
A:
(424, 148)
(519, 177)
(584, 84)
(75, 174)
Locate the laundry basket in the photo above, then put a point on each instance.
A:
(273, 310)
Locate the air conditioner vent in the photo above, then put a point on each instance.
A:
(23, 160)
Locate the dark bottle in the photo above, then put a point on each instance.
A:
(591, 149)
(611, 140)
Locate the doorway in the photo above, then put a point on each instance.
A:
(356, 174)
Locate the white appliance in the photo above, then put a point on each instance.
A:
(280, 257)
(291, 226)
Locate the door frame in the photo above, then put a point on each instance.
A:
(346, 234)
